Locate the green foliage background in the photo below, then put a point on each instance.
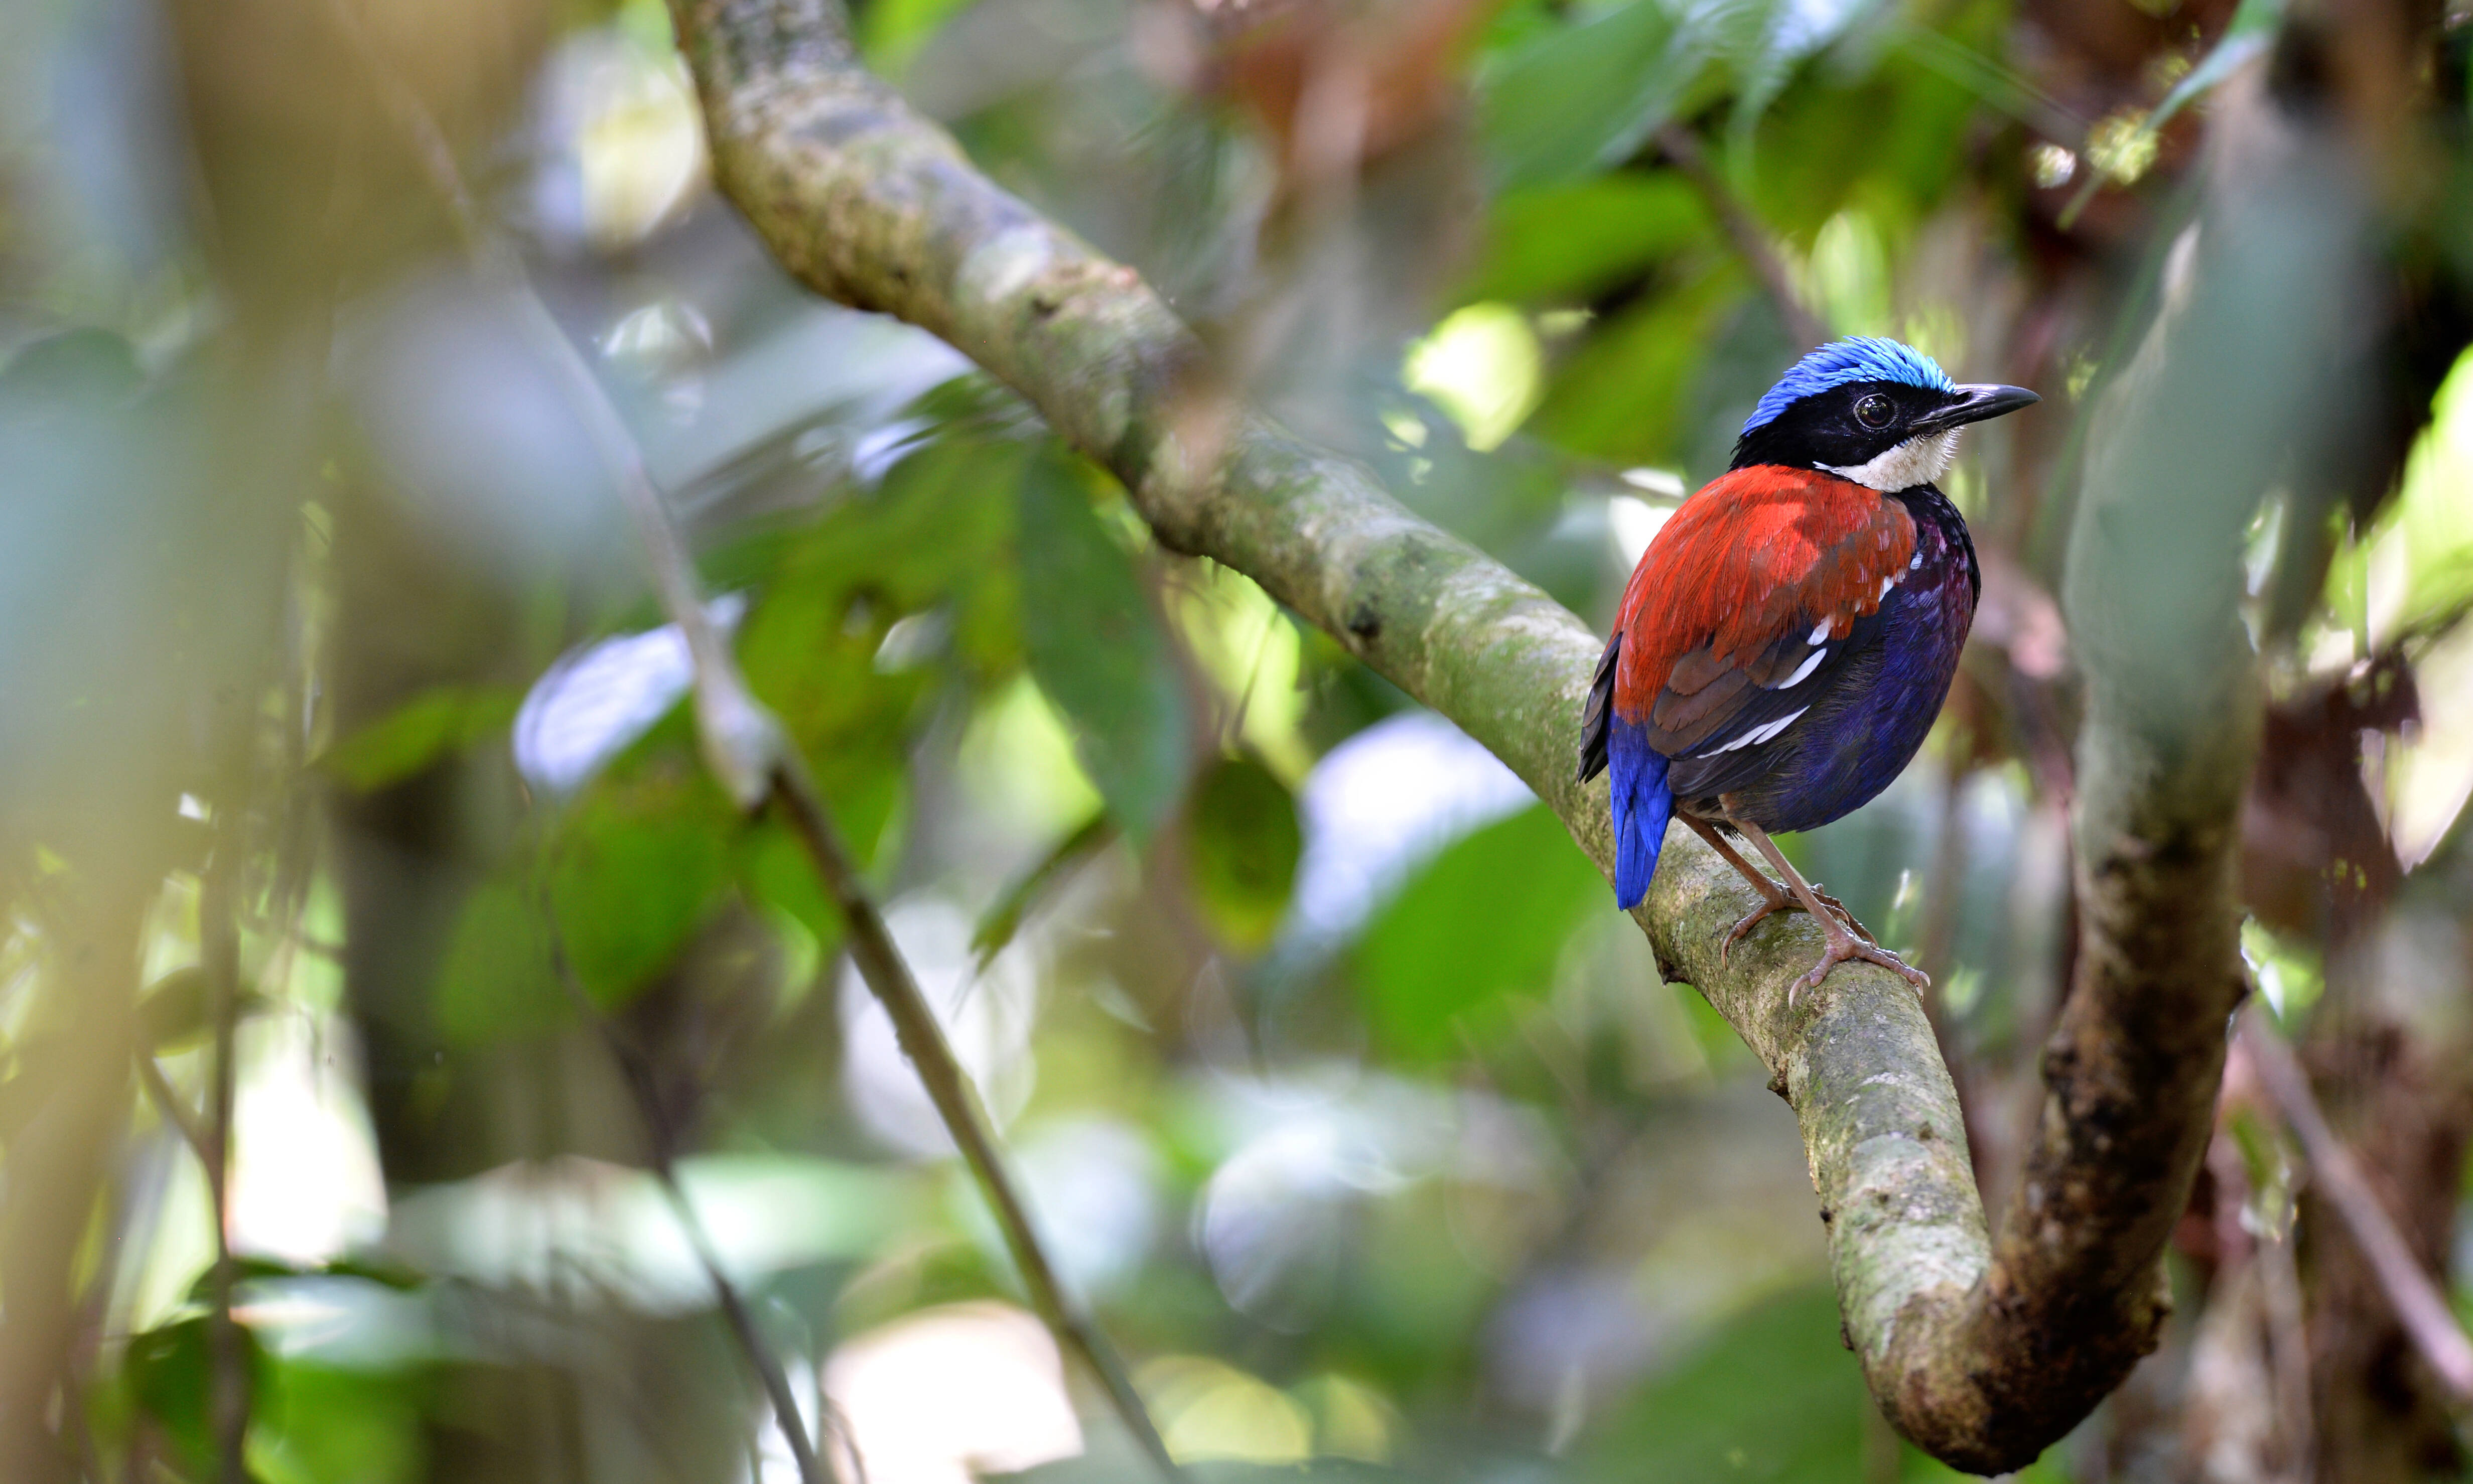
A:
(1366, 1125)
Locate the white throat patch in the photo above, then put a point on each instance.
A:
(1918, 461)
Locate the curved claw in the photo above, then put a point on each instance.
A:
(1781, 902)
(1842, 947)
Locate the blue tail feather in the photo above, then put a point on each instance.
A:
(1642, 806)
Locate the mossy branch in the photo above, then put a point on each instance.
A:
(1981, 1354)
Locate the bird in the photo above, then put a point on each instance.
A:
(1789, 637)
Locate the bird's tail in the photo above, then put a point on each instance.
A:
(1642, 806)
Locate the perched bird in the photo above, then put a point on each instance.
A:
(1792, 630)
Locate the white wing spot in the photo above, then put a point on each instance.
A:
(1915, 561)
(1759, 734)
(1887, 583)
(1819, 632)
(1810, 662)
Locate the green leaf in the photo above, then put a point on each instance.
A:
(174, 1010)
(321, 1424)
(1002, 919)
(928, 545)
(1618, 397)
(1096, 648)
(418, 733)
(636, 870)
(1122, 1466)
(85, 365)
(495, 981)
(1585, 97)
(1241, 843)
(1485, 921)
(168, 1371)
(1773, 1396)
(1568, 242)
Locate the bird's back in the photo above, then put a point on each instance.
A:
(1784, 635)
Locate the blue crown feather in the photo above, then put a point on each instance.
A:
(1841, 362)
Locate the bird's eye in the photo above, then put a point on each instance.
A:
(1874, 411)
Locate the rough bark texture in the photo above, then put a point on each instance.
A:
(1981, 1356)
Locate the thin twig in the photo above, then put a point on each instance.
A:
(2287, 1348)
(747, 752)
(738, 737)
(2419, 1306)
(1681, 148)
(958, 1101)
(167, 1102)
(220, 931)
(660, 1134)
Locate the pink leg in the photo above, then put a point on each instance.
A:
(1773, 897)
(1841, 944)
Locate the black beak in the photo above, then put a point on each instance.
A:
(1974, 404)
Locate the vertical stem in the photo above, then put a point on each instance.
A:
(957, 1102)
(219, 931)
(2420, 1308)
(660, 1135)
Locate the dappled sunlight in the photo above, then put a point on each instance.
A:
(948, 1394)
(1482, 364)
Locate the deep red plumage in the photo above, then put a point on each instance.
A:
(1737, 579)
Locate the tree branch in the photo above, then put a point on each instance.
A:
(1981, 1354)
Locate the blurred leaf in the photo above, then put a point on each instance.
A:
(495, 981)
(635, 871)
(174, 1010)
(1241, 843)
(1568, 242)
(775, 869)
(319, 1425)
(168, 1371)
(1102, 1466)
(1879, 139)
(418, 733)
(1774, 1396)
(1584, 97)
(1096, 648)
(1002, 919)
(1485, 919)
(631, 871)
(1619, 396)
(82, 365)
(1763, 42)
(931, 539)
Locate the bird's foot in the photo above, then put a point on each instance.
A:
(1843, 946)
(1779, 900)
(1839, 908)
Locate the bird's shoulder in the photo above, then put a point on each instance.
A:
(1761, 549)
(1751, 598)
